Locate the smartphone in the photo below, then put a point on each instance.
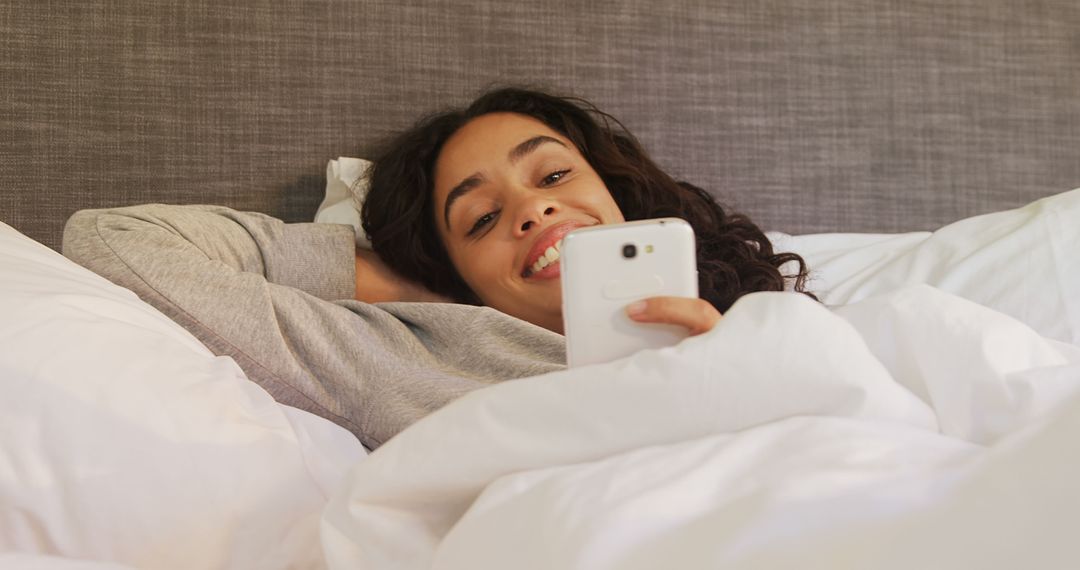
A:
(605, 268)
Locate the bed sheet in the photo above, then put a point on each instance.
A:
(881, 435)
(868, 437)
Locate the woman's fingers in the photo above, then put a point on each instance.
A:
(697, 315)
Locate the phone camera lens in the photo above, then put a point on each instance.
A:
(629, 251)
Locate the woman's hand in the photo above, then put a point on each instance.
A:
(377, 283)
(697, 315)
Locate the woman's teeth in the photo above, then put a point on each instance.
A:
(550, 255)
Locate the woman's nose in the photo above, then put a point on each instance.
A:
(528, 224)
(532, 212)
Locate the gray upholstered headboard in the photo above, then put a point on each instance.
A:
(847, 115)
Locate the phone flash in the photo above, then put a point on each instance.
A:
(648, 249)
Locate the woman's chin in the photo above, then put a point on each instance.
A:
(541, 305)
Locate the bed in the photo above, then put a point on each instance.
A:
(921, 157)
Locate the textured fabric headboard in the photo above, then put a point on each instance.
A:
(834, 115)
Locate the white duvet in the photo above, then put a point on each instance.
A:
(909, 428)
(913, 429)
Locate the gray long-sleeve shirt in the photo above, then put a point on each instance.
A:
(277, 298)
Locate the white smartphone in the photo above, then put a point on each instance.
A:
(605, 268)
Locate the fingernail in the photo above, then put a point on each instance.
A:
(635, 308)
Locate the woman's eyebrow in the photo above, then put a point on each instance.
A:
(529, 145)
(521, 150)
(460, 190)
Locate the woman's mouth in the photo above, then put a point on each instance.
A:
(547, 265)
(543, 259)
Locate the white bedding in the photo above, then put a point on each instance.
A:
(1022, 262)
(904, 427)
(882, 435)
(123, 439)
(912, 426)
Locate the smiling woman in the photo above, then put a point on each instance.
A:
(473, 205)
(469, 206)
(503, 221)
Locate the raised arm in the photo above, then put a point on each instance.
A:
(259, 290)
(244, 284)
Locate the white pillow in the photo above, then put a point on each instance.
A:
(123, 439)
(346, 187)
(1021, 262)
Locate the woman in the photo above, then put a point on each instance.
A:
(467, 201)
(458, 205)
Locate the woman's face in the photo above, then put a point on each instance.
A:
(507, 189)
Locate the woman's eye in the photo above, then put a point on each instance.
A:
(554, 177)
(481, 222)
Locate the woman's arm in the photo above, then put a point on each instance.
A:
(138, 246)
(256, 289)
(377, 283)
(247, 286)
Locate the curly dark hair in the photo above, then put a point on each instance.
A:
(734, 256)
